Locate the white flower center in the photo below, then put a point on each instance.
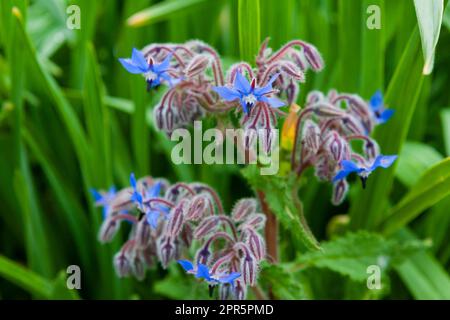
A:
(249, 99)
(150, 76)
(364, 174)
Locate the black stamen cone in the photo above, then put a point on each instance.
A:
(363, 181)
(211, 290)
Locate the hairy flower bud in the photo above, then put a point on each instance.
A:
(311, 136)
(138, 268)
(249, 269)
(255, 221)
(166, 250)
(352, 125)
(142, 233)
(340, 189)
(240, 290)
(371, 149)
(121, 265)
(293, 71)
(256, 244)
(206, 226)
(176, 219)
(313, 57)
(324, 109)
(197, 65)
(203, 255)
(197, 207)
(243, 208)
(108, 230)
(336, 146)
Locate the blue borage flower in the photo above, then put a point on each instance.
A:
(202, 272)
(136, 196)
(154, 73)
(103, 199)
(363, 172)
(248, 93)
(382, 114)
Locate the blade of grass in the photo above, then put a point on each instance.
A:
(249, 29)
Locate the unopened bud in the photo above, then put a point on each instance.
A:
(255, 221)
(197, 207)
(121, 265)
(108, 230)
(340, 189)
(243, 208)
(197, 65)
(313, 57)
(256, 244)
(205, 227)
(166, 250)
(176, 219)
(142, 233)
(249, 268)
(311, 136)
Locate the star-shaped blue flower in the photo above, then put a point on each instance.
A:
(363, 172)
(153, 213)
(154, 73)
(202, 272)
(104, 199)
(248, 93)
(136, 196)
(377, 106)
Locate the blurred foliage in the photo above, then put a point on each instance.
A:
(71, 118)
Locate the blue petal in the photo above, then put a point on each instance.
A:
(347, 168)
(273, 102)
(112, 190)
(267, 88)
(133, 181)
(130, 66)
(230, 278)
(227, 94)
(138, 59)
(241, 84)
(155, 190)
(202, 272)
(164, 65)
(105, 212)
(386, 115)
(152, 218)
(376, 101)
(383, 161)
(97, 196)
(187, 265)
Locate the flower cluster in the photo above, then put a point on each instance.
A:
(193, 71)
(169, 219)
(325, 133)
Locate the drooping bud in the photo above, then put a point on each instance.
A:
(138, 268)
(197, 207)
(197, 65)
(352, 125)
(371, 149)
(313, 57)
(205, 227)
(249, 269)
(148, 255)
(255, 221)
(166, 250)
(256, 244)
(240, 290)
(324, 109)
(187, 234)
(311, 136)
(108, 230)
(203, 255)
(176, 219)
(224, 291)
(292, 92)
(340, 189)
(142, 233)
(314, 97)
(293, 71)
(243, 208)
(121, 265)
(336, 146)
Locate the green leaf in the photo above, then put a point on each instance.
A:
(414, 160)
(353, 253)
(446, 18)
(422, 274)
(445, 117)
(249, 29)
(284, 283)
(162, 11)
(402, 95)
(278, 194)
(429, 18)
(432, 187)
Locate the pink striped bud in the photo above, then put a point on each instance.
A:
(324, 109)
(293, 71)
(224, 292)
(121, 265)
(240, 290)
(256, 244)
(243, 208)
(313, 57)
(255, 221)
(311, 136)
(336, 146)
(206, 226)
(292, 92)
(249, 269)
(340, 189)
(138, 268)
(176, 220)
(147, 255)
(203, 255)
(371, 149)
(108, 230)
(352, 125)
(197, 65)
(314, 97)
(166, 250)
(187, 234)
(142, 233)
(197, 207)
